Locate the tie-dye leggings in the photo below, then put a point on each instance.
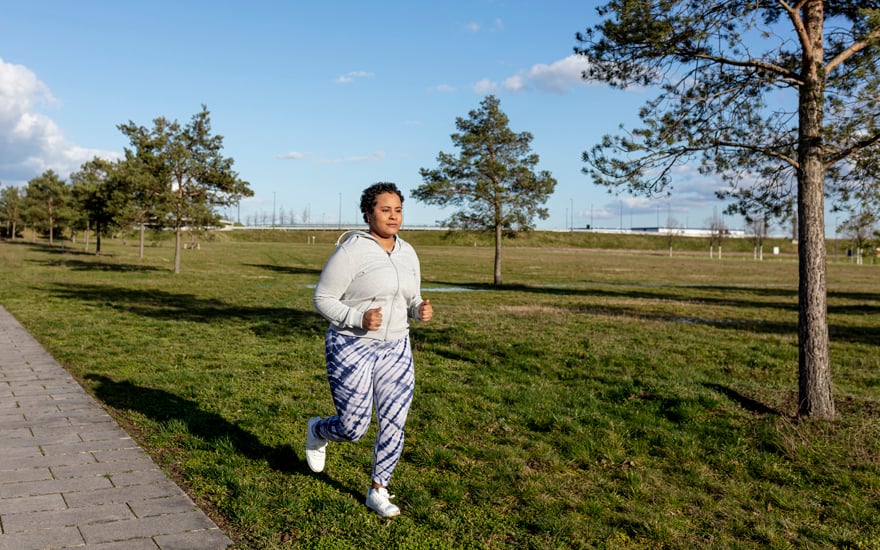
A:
(364, 373)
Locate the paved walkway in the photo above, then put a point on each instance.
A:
(70, 477)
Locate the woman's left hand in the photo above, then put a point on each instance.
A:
(426, 312)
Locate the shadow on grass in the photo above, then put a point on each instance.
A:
(74, 259)
(659, 291)
(162, 406)
(97, 265)
(743, 401)
(286, 269)
(159, 304)
(735, 297)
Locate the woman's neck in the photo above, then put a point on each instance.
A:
(386, 242)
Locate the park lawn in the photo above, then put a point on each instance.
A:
(599, 398)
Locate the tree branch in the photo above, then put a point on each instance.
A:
(854, 48)
(763, 150)
(798, 25)
(854, 148)
(757, 64)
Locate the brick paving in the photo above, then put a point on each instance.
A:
(70, 477)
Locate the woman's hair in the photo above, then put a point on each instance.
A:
(368, 197)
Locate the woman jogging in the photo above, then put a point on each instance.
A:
(368, 290)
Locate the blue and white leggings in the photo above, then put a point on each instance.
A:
(364, 373)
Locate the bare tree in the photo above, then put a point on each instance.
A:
(674, 230)
(717, 232)
(758, 229)
(859, 229)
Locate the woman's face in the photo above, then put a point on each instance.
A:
(387, 215)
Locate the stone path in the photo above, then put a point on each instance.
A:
(70, 477)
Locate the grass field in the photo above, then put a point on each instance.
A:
(602, 398)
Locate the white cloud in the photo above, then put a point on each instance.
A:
(485, 86)
(32, 142)
(515, 83)
(349, 77)
(444, 88)
(294, 155)
(558, 77)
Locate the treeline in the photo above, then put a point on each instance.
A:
(171, 177)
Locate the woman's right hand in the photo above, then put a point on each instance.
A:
(372, 319)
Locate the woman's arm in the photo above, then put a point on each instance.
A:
(334, 280)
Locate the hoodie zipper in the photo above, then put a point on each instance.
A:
(394, 296)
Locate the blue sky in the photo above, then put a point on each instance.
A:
(316, 100)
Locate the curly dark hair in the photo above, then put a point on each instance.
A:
(368, 197)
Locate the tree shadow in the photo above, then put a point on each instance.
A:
(60, 247)
(82, 265)
(658, 292)
(163, 305)
(786, 300)
(162, 406)
(743, 401)
(287, 270)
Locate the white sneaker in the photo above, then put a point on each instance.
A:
(316, 447)
(379, 501)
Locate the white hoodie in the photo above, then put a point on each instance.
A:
(361, 275)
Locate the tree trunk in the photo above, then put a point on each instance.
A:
(143, 230)
(177, 250)
(814, 367)
(498, 234)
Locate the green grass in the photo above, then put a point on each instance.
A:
(601, 398)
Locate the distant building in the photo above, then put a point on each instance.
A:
(679, 231)
(689, 232)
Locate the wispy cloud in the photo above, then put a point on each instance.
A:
(374, 157)
(351, 76)
(33, 142)
(444, 88)
(559, 77)
(485, 86)
(294, 155)
(496, 25)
